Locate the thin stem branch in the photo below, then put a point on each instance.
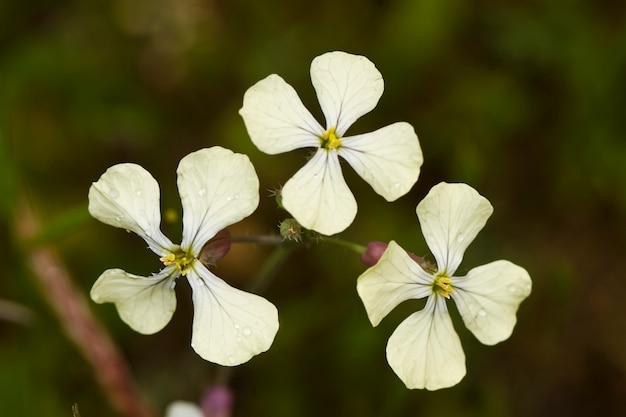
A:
(272, 240)
(270, 267)
(73, 312)
(345, 244)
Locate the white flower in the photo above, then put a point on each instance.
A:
(217, 188)
(183, 409)
(347, 86)
(425, 351)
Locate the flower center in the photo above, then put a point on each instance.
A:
(443, 285)
(330, 140)
(180, 259)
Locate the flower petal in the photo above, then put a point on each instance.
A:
(183, 409)
(394, 279)
(317, 195)
(276, 119)
(425, 351)
(389, 159)
(488, 298)
(230, 326)
(451, 215)
(347, 86)
(217, 188)
(127, 196)
(146, 304)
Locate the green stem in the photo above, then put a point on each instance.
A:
(70, 220)
(272, 240)
(270, 267)
(360, 249)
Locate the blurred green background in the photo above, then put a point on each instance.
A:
(525, 101)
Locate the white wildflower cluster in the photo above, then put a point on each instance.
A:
(219, 188)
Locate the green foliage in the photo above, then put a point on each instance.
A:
(523, 101)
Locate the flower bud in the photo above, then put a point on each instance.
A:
(373, 252)
(216, 248)
(290, 229)
(278, 195)
(217, 401)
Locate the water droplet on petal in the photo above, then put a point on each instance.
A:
(236, 326)
(229, 198)
(147, 234)
(231, 359)
(315, 175)
(119, 218)
(236, 196)
(113, 193)
(482, 313)
(397, 185)
(239, 339)
(512, 288)
(202, 192)
(246, 331)
(138, 193)
(460, 237)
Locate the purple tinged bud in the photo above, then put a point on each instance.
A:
(373, 252)
(216, 248)
(217, 401)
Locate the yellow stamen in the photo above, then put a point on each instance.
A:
(443, 286)
(330, 140)
(168, 260)
(179, 259)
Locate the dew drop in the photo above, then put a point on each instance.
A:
(231, 359)
(236, 326)
(512, 288)
(113, 193)
(397, 185)
(229, 198)
(138, 193)
(239, 339)
(460, 237)
(202, 192)
(148, 234)
(236, 196)
(119, 218)
(315, 175)
(246, 331)
(482, 313)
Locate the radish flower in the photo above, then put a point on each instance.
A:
(217, 188)
(425, 351)
(347, 86)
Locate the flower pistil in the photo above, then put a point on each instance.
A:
(330, 140)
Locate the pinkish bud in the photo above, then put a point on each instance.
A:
(217, 401)
(373, 252)
(216, 248)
